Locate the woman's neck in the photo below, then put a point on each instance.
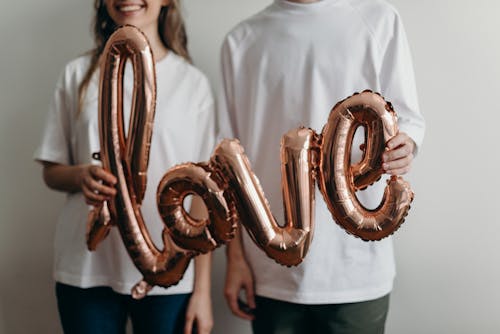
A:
(157, 46)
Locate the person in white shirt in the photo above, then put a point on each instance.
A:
(93, 288)
(286, 67)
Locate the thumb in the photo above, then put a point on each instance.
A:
(188, 327)
(250, 295)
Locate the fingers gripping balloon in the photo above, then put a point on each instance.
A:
(227, 185)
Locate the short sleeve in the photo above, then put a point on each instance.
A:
(55, 142)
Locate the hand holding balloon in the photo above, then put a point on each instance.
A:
(97, 184)
(399, 156)
(239, 277)
(339, 179)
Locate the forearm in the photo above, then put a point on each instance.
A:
(199, 311)
(202, 269)
(62, 177)
(234, 248)
(203, 262)
(239, 277)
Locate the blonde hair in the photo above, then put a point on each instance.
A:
(170, 28)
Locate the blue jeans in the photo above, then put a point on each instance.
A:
(101, 310)
(279, 317)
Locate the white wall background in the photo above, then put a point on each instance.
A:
(447, 252)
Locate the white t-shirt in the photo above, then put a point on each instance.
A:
(184, 128)
(286, 67)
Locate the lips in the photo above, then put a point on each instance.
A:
(129, 7)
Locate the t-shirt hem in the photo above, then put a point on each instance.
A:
(335, 297)
(123, 288)
(50, 156)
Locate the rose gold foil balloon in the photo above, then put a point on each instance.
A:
(339, 180)
(227, 185)
(98, 226)
(127, 157)
(231, 191)
(202, 180)
(288, 244)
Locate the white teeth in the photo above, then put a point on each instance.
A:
(129, 8)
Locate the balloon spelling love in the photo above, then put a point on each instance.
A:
(226, 183)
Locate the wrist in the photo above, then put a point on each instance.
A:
(234, 251)
(201, 292)
(78, 177)
(237, 262)
(235, 257)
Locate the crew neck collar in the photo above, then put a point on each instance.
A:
(304, 7)
(165, 59)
